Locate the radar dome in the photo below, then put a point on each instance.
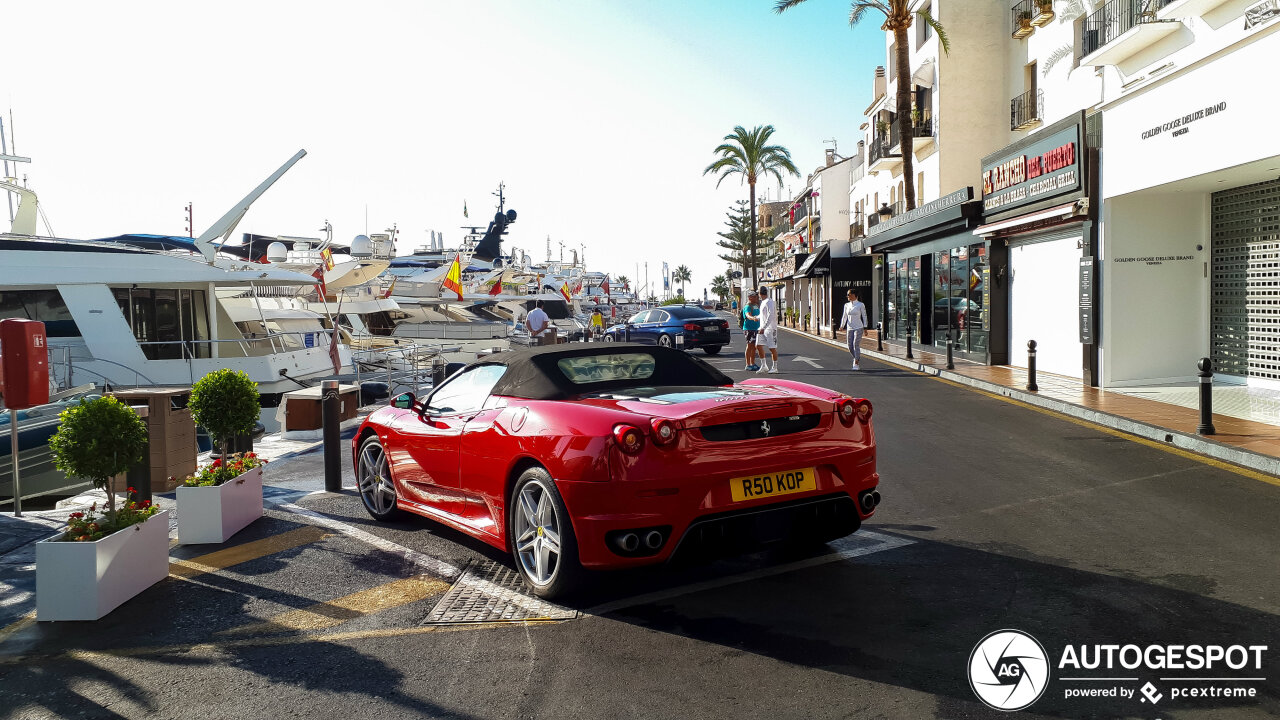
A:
(361, 247)
(277, 252)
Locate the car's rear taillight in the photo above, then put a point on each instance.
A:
(664, 432)
(846, 409)
(724, 325)
(629, 438)
(692, 326)
(864, 411)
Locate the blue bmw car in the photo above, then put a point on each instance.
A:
(682, 326)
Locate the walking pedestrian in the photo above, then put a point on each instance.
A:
(854, 320)
(750, 327)
(768, 337)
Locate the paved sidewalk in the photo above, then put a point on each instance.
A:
(1242, 442)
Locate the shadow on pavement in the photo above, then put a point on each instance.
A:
(912, 621)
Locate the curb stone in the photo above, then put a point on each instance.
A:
(1184, 441)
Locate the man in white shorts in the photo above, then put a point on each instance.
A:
(768, 331)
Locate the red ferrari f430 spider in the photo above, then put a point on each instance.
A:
(612, 456)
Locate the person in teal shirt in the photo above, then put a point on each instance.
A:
(751, 326)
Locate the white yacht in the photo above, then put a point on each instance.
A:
(148, 310)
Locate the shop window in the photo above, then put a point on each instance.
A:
(975, 328)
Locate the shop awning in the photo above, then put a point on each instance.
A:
(1052, 213)
(811, 263)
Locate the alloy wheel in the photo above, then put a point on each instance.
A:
(376, 489)
(537, 533)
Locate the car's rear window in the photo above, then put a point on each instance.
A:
(603, 368)
(686, 313)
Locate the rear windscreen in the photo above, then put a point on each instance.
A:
(603, 368)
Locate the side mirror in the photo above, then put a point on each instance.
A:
(404, 401)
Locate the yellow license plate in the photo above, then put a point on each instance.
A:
(774, 484)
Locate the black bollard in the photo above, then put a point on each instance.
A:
(880, 337)
(331, 418)
(1206, 397)
(909, 355)
(951, 363)
(1031, 366)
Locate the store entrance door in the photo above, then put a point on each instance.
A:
(1244, 331)
(1043, 301)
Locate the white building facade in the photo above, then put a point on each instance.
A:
(1190, 251)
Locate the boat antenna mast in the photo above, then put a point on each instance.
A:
(227, 223)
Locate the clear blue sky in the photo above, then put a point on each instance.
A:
(599, 116)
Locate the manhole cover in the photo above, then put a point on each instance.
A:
(491, 592)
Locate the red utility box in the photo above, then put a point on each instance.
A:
(24, 363)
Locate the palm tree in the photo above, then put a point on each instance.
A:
(682, 276)
(747, 153)
(720, 286)
(623, 280)
(897, 20)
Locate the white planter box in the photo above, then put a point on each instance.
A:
(87, 580)
(213, 514)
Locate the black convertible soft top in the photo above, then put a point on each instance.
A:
(533, 373)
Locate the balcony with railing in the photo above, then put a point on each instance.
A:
(922, 130)
(880, 155)
(1023, 11)
(1121, 28)
(1026, 110)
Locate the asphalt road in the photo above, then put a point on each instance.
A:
(995, 516)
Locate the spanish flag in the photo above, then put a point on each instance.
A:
(497, 284)
(387, 294)
(327, 255)
(564, 290)
(453, 278)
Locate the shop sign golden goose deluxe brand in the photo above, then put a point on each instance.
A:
(1037, 171)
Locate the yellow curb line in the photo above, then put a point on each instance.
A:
(1187, 454)
(349, 607)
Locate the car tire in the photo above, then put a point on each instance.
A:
(608, 338)
(665, 340)
(373, 481)
(712, 349)
(537, 514)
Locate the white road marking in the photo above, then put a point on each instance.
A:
(811, 361)
(433, 565)
(853, 546)
(14, 598)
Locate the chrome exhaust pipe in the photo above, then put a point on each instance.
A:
(630, 542)
(869, 502)
(653, 539)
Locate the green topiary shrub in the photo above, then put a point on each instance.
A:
(225, 402)
(97, 440)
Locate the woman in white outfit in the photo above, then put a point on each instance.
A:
(855, 321)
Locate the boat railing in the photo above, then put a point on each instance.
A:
(403, 366)
(65, 368)
(64, 365)
(477, 330)
(273, 342)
